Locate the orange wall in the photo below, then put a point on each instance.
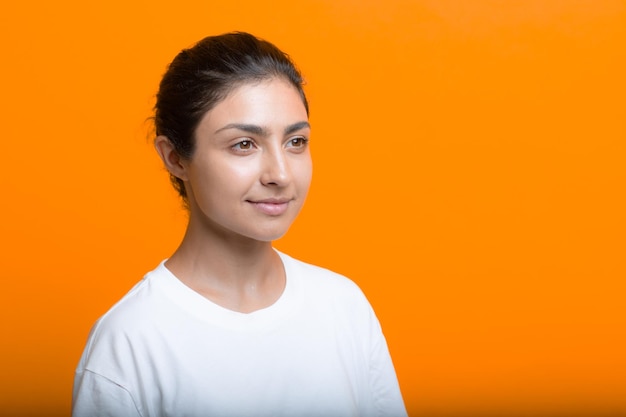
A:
(469, 177)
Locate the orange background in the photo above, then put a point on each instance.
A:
(469, 176)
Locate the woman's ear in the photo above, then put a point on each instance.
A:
(171, 159)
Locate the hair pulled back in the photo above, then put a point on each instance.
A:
(200, 77)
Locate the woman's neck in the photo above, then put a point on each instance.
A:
(233, 271)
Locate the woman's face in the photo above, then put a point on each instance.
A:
(251, 168)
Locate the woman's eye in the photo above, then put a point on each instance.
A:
(298, 142)
(244, 145)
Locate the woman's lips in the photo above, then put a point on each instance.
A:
(271, 207)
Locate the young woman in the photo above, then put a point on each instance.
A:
(228, 326)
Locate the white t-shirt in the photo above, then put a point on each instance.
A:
(165, 350)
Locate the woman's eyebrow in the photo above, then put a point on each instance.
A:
(248, 128)
(296, 126)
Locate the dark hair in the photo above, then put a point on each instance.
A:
(200, 77)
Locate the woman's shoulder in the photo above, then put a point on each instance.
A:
(322, 280)
(133, 310)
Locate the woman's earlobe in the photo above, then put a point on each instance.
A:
(170, 157)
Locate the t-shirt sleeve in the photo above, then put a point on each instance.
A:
(97, 396)
(386, 393)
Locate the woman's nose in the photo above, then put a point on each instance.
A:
(275, 168)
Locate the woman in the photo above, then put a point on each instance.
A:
(228, 326)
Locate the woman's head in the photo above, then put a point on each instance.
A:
(202, 76)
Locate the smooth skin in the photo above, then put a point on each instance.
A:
(246, 182)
